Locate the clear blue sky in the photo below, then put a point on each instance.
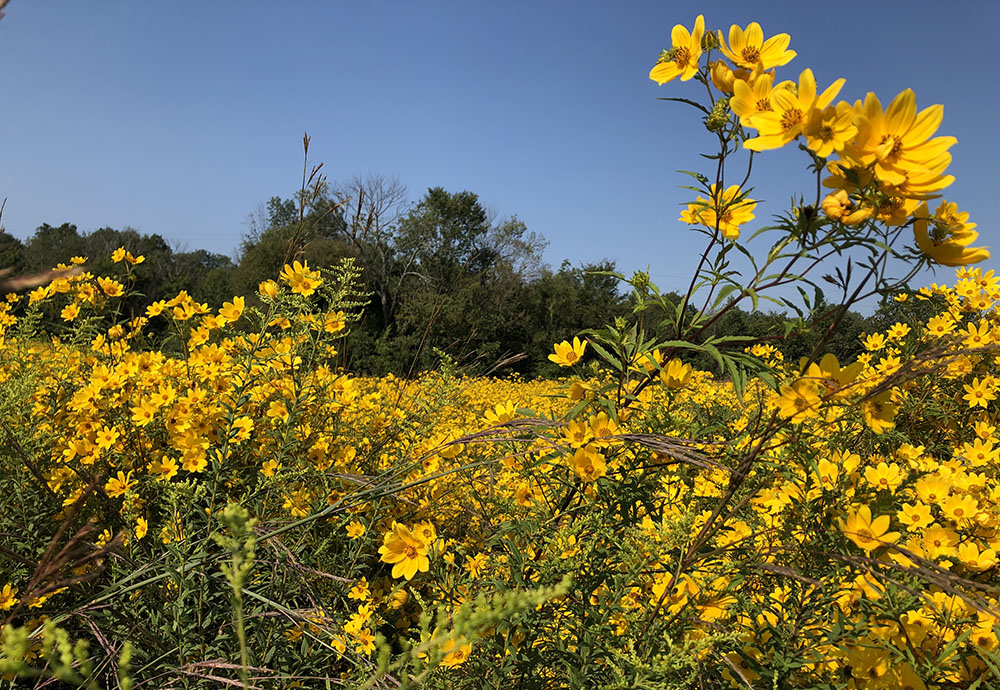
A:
(180, 118)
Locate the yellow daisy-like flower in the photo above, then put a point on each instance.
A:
(726, 211)
(301, 280)
(406, 552)
(682, 58)
(566, 355)
(868, 533)
(588, 464)
(791, 110)
(946, 236)
(119, 485)
(355, 529)
(799, 401)
(8, 597)
(980, 393)
(898, 141)
(747, 47)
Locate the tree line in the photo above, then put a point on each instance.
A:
(445, 277)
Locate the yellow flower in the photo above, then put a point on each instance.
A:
(885, 476)
(799, 401)
(833, 380)
(355, 529)
(232, 311)
(301, 280)
(588, 464)
(747, 48)
(407, 553)
(751, 97)
(916, 516)
(567, 355)
(106, 437)
(8, 597)
(959, 508)
(830, 129)
(119, 485)
(726, 211)
(366, 642)
(898, 141)
(111, 288)
(268, 288)
(946, 236)
(455, 654)
(791, 111)
(141, 527)
(866, 533)
(682, 58)
(675, 373)
(70, 312)
(118, 254)
(939, 541)
(879, 412)
(979, 393)
(165, 468)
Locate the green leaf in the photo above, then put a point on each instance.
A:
(606, 356)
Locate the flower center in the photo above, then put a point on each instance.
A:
(790, 119)
(681, 56)
(894, 149)
(751, 54)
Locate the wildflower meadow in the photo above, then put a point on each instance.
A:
(198, 497)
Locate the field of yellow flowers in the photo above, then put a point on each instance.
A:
(228, 507)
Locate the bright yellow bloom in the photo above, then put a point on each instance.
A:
(301, 280)
(799, 401)
(119, 485)
(897, 141)
(232, 311)
(141, 527)
(70, 312)
(751, 97)
(682, 58)
(945, 237)
(980, 393)
(832, 380)
(588, 464)
(959, 508)
(747, 48)
(939, 541)
(8, 597)
(118, 254)
(165, 468)
(268, 288)
(110, 287)
(916, 516)
(725, 211)
(974, 558)
(566, 355)
(406, 552)
(866, 533)
(355, 529)
(675, 373)
(455, 653)
(830, 129)
(791, 111)
(885, 476)
(107, 437)
(981, 452)
(879, 412)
